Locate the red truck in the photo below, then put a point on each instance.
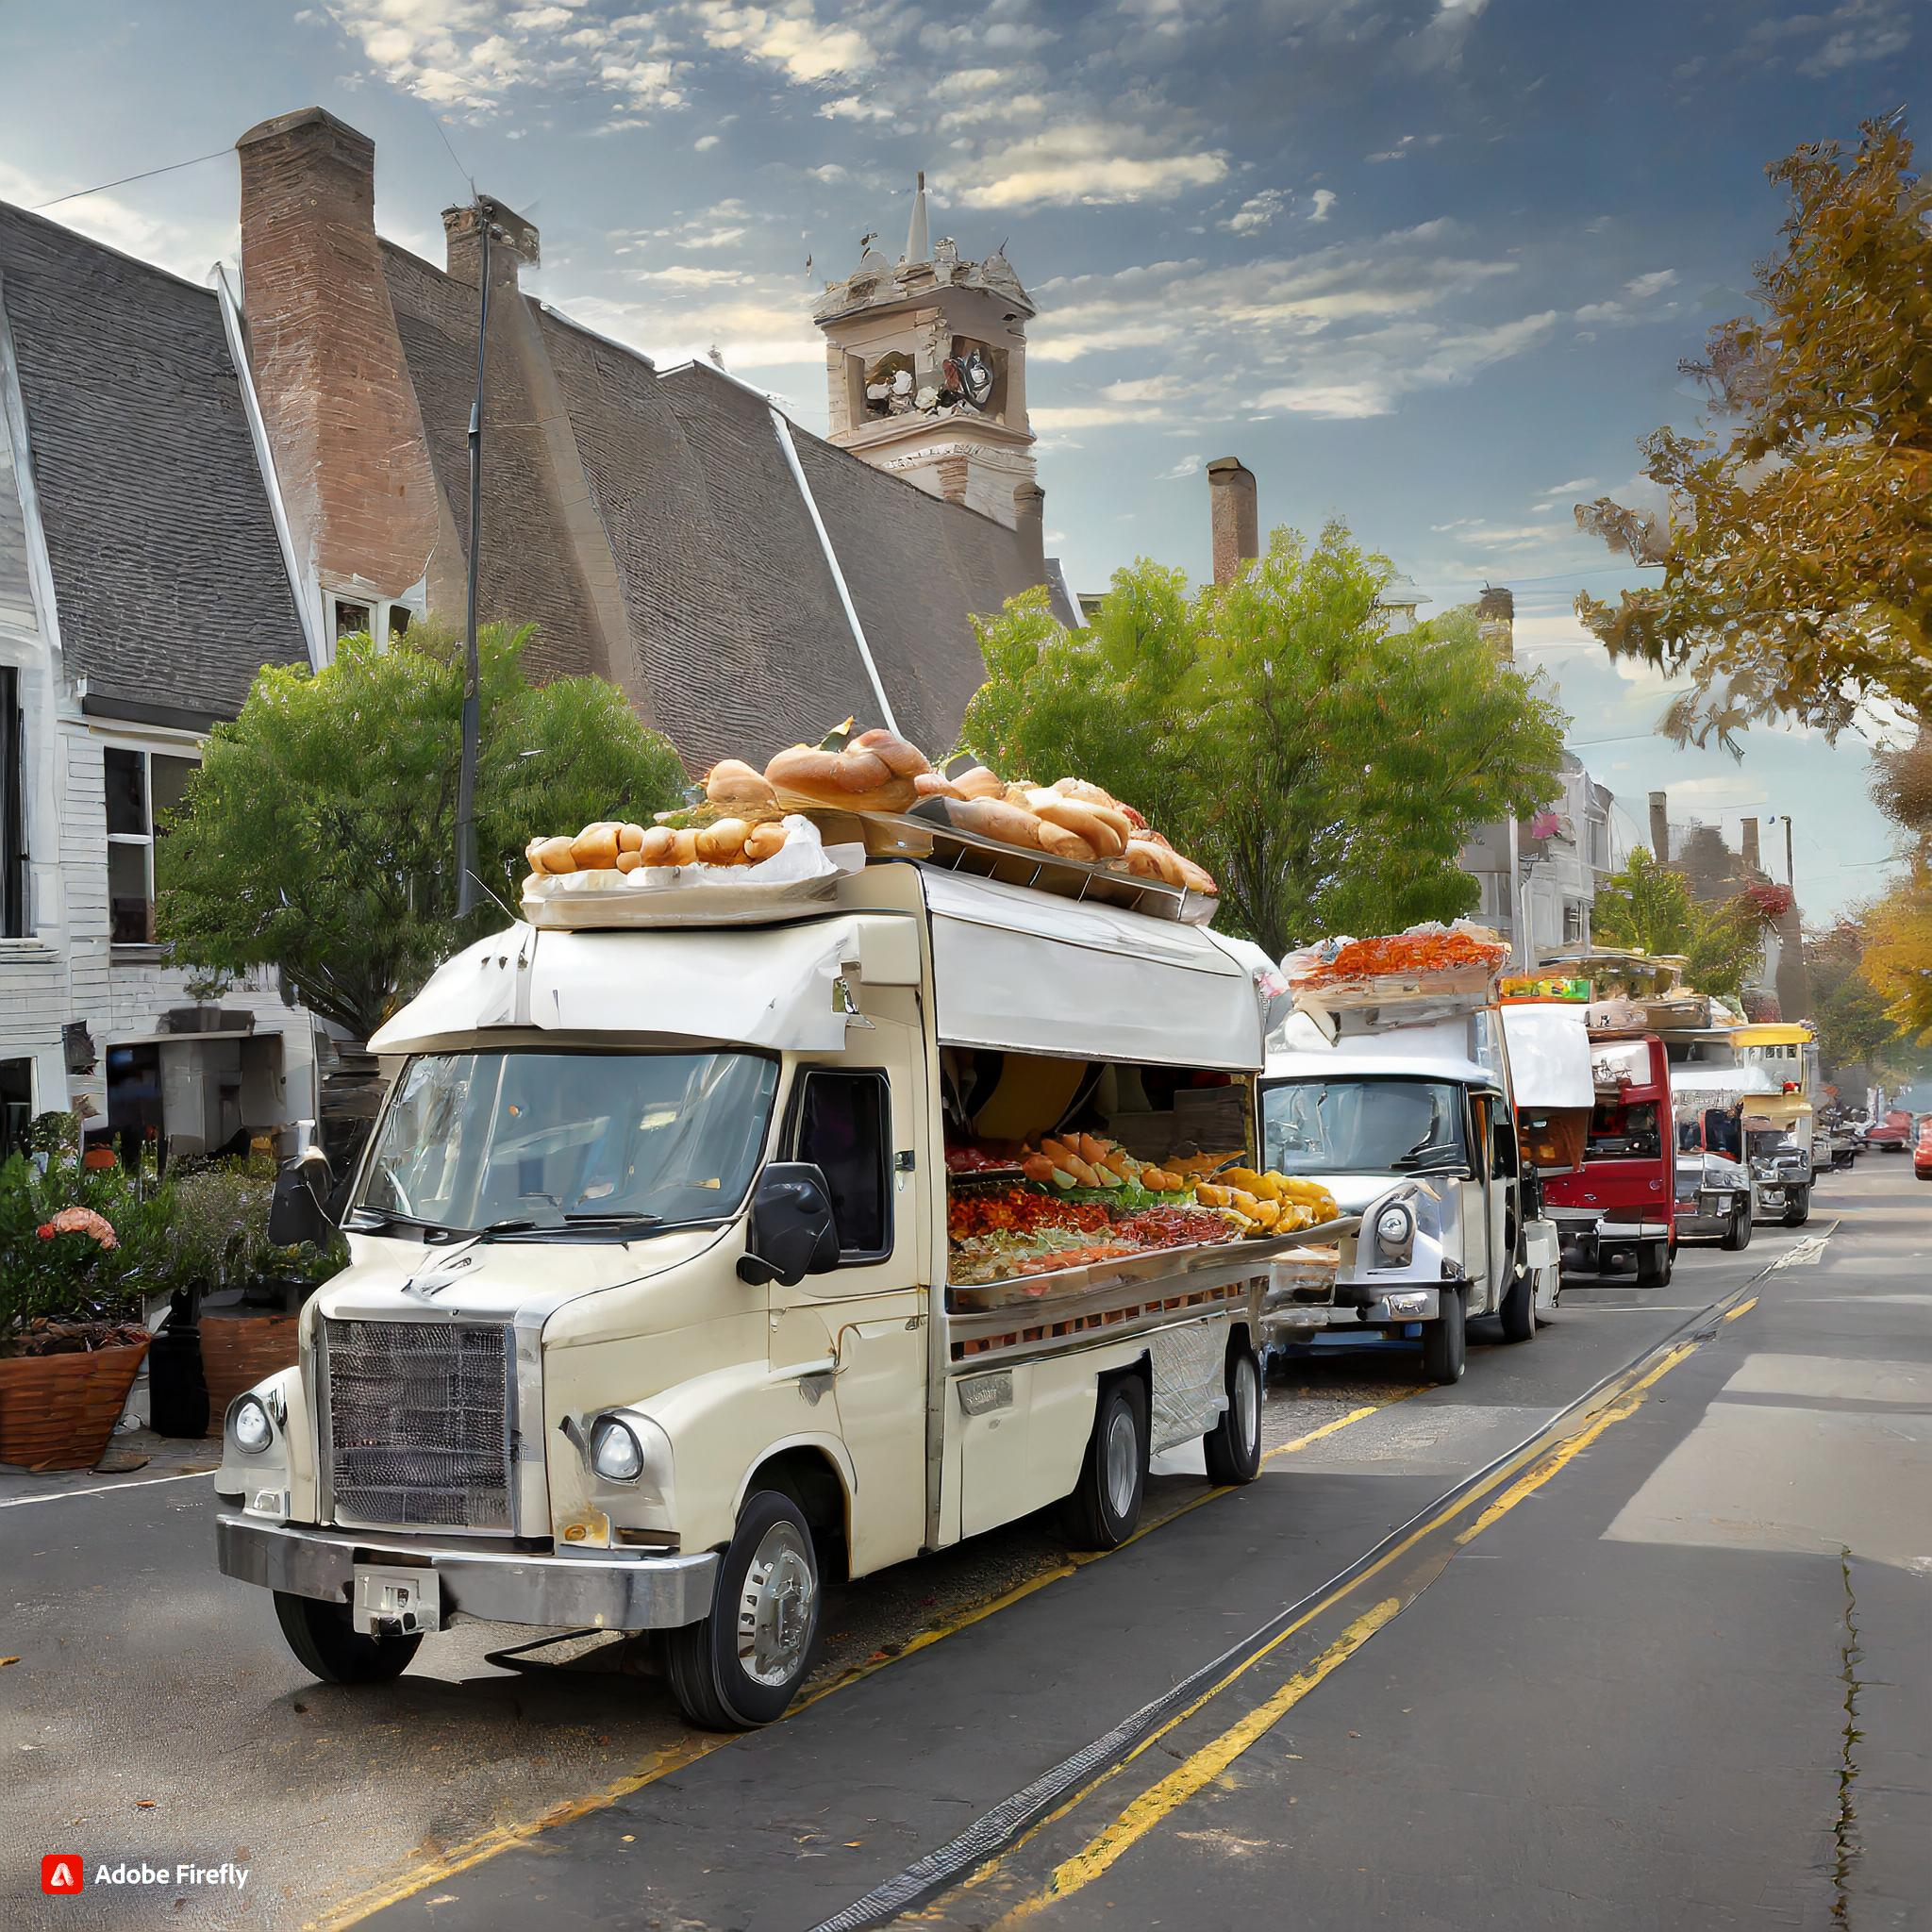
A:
(1622, 1200)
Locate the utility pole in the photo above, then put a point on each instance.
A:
(1791, 879)
(472, 674)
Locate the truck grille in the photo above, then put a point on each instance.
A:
(419, 1422)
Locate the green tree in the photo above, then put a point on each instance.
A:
(1849, 1011)
(319, 834)
(1649, 906)
(1797, 551)
(1325, 769)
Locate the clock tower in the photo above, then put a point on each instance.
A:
(926, 366)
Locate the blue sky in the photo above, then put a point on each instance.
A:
(1428, 265)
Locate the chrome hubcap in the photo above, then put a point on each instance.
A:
(1247, 1401)
(776, 1606)
(1123, 1451)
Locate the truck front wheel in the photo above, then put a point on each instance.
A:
(742, 1664)
(1233, 1445)
(1797, 1206)
(1104, 1509)
(1446, 1340)
(1654, 1261)
(328, 1644)
(1739, 1233)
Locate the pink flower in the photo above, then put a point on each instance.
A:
(79, 1220)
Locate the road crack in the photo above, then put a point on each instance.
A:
(1845, 1826)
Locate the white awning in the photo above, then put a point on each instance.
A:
(1029, 973)
(769, 987)
(1549, 1056)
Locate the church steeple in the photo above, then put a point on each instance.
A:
(918, 239)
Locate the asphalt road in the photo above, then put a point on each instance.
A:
(1663, 1664)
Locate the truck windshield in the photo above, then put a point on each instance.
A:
(548, 1140)
(1621, 1130)
(1363, 1126)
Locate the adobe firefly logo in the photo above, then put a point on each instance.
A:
(60, 1873)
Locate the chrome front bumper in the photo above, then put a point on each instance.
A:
(610, 1592)
(1405, 1302)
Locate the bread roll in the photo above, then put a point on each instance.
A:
(764, 841)
(993, 818)
(931, 785)
(552, 855)
(905, 761)
(1105, 832)
(1063, 843)
(594, 848)
(629, 839)
(659, 843)
(736, 785)
(1151, 861)
(1080, 1171)
(629, 861)
(977, 782)
(851, 780)
(723, 843)
(684, 849)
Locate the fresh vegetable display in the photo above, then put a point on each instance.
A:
(1079, 1199)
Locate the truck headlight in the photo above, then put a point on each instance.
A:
(1394, 1227)
(616, 1454)
(249, 1424)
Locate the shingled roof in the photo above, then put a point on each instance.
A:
(167, 577)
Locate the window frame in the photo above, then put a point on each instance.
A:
(794, 1124)
(188, 753)
(16, 887)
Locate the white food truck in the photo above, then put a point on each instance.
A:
(647, 1322)
(1404, 1111)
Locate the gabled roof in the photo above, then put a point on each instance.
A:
(167, 577)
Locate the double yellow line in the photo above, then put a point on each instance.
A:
(696, 1744)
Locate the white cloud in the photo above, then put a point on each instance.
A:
(1257, 211)
(1322, 201)
(1091, 161)
(1187, 466)
(1577, 485)
(1641, 288)
(705, 142)
(790, 38)
(851, 108)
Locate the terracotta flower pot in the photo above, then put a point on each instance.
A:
(57, 1412)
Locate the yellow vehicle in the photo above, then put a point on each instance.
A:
(1778, 1130)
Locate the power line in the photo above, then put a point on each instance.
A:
(469, 179)
(145, 174)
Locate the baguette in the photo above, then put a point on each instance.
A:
(735, 785)
(934, 784)
(1197, 878)
(1105, 831)
(993, 818)
(1123, 819)
(977, 782)
(1062, 843)
(1154, 861)
(903, 759)
(850, 780)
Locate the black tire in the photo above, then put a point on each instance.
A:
(1655, 1262)
(1797, 1206)
(328, 1644)
(1517, 1309)
(1101, 1513)
(1233, 1445)
(1739, 1233)
(714, 1665)
(1445, 1340)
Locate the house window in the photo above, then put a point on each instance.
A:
(349, 617)
(142, 788)
(1575, 923)
(1599, 835)
(13, 871)
(398, 619)
(16, 1105)
(845, 1125)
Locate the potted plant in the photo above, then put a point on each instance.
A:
(76, 1247)
(205, 986)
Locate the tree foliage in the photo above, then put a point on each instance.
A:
(1325, 769)
(1649, 906)
(1898, 952)
(319, 834)
(1797, 556)
(1849, 1011)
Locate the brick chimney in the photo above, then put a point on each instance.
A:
(1747, 840)
(1495, 621)
(1659, 828)
(1030, 524)
(336, 395)
(1236, 520)
(513, 241)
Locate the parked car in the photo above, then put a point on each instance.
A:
(1921, 1151)
(1891, 1135)
(1715, 1195)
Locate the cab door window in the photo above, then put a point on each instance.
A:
(844, 1124)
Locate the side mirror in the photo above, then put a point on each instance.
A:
(790, 1231)
(297, 1212)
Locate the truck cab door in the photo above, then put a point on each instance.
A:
(857, 1334)
(1475, 1218)
(1506, 1202)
